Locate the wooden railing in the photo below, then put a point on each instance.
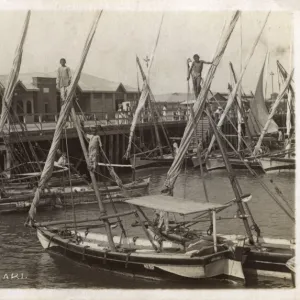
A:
(47, 121)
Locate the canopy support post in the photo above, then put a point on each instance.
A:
(144, 227)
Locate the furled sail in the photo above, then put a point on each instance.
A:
(145, 92)
(64, 113)
(13, 76)
(199, 107)
(259, 114)
(141, 105)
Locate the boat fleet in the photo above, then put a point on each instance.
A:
(180, 250)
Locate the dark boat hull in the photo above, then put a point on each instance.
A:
(143, 163)
(81, 195)
(277, 164)
(174, 266)
(218, 164)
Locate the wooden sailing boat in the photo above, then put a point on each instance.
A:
(18, 186)
(165, 258)
(258, 112)
(159, 156)
(260, 256)
(155, 157)
(252, 121)
(284, 160)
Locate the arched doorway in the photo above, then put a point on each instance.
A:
(28, 107)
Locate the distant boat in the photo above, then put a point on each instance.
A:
(20, 200)
(278, 164)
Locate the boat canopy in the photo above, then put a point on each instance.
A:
(174, 204)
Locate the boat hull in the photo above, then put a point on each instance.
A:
(269, 259)
(145, 264)
(218, 164)
(143, 163)
(278, 164)
(195, 162)
(80, 195)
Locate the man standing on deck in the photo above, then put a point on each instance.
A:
(63, 79)
(94, 146)
(196, 71)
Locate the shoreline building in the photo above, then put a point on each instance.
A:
(36, 97)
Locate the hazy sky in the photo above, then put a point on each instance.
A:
(122, 35)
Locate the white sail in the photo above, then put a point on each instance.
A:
(64, 113)
(199, 106)
(13, 76)
(259, 114)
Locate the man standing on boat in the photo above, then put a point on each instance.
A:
(94, 146)
(196, 71)
(63, 79)
(62, 161)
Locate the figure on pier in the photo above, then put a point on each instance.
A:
(196, 71)
(63, 79)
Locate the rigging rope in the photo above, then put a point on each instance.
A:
(70, 182)
(257, 177)
(155, 46)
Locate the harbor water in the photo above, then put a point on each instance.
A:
(24, 263)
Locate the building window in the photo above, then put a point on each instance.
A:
(45, 90)
(29, 107)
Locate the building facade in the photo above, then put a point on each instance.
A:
(36, 98)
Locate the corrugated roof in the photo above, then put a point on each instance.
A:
(87, 82)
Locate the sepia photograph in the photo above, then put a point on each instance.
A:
(147, 150)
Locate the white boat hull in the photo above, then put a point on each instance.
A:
(217, 266)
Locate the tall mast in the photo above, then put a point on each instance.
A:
(233, 181)
(235, 89)
(239, 98)
(93, 178)
(273, 110)
(240, 107)
(63, 115)
(289, 104)
(199, 107)
(14, 74)
(151, 104)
